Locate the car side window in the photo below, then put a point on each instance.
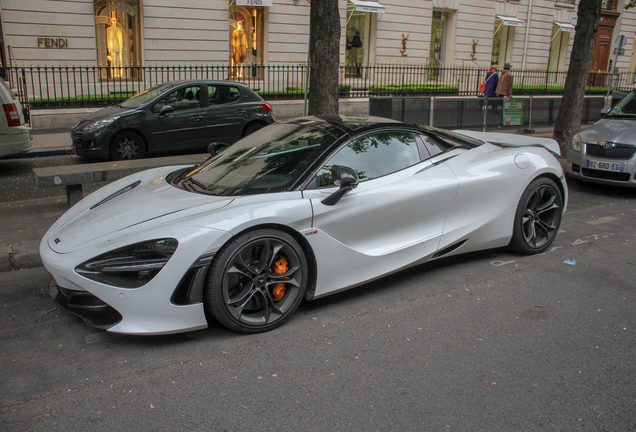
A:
(373, 156)
(180, 99)
(214, 95)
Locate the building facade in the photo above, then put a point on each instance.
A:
(529, 34)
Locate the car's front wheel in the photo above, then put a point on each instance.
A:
(538, 217)
(127, 145)
(256, 281)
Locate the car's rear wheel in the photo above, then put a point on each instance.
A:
(256, 281)
(127, 145)
(538, 217)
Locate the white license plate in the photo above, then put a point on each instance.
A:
(605, 166)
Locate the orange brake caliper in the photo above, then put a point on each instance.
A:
(279, 288)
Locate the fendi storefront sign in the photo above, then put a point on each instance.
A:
(52, 42)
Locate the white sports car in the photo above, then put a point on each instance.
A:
(300, 209)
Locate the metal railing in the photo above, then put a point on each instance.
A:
(41, 87)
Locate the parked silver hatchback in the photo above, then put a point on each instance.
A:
(604, 152)
(14, 135)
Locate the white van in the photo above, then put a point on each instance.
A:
(14, 135)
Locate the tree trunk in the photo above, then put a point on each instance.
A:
(324, 57)
(568, 120)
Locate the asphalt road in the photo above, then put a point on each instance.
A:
(490, 341)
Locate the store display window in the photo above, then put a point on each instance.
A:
(118, 34)
(246, 41)
(358, 38)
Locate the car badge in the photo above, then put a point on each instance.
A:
(57, 241)
(608, 145)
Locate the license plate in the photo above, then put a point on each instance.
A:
(605, 166)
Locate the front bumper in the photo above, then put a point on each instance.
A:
(578, 167)
(91, 145)
(162, 306)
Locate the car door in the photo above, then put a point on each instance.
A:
(184, 127)
(394, 217)
(225, 116)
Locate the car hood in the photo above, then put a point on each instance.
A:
(100, 217)
(513, 140)
(616, 130)
(108, 112)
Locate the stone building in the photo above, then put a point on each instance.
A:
(531, 34)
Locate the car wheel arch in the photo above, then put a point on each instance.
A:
(304, 244)
(555, 179)
(133, 130)
(258, 124)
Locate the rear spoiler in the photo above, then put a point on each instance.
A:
(513, 140)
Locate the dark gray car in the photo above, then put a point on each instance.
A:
(171, 117)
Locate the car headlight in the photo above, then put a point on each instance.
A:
(131, 266)
(99, 124)
(576, 143)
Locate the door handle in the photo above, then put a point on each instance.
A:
(240, 112)
(196, 118)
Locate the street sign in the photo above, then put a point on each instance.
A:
(513, 111)
(621, 40)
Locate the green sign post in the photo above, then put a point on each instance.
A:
(513, 112)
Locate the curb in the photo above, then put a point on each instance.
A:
(21, 255)
(53, 151)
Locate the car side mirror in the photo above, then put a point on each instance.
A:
(166, 109)
(217, 147)
(347, 180)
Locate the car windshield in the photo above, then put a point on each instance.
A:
(269, 160)
(145, 96)
(625, 108)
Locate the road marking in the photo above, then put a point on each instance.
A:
(602, 220)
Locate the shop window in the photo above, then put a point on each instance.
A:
(246, 41)
(558, 49)
(358, 38)
(438, 36)
(118, 34)
(503, 39)
(439, 33)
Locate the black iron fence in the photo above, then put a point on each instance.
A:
(43, 87)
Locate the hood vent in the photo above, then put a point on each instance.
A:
(116, 194)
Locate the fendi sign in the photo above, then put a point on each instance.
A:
(52, 43)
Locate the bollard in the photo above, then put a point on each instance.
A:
(529, 128)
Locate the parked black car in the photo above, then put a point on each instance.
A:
(170, 117)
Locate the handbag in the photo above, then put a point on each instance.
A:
(482, 87)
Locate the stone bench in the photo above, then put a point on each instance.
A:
(74, 176)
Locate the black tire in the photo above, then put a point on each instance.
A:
(538, 217)
(239, 291)
(127, 145)
(251, 128)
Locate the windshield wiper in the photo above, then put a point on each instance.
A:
(192, 185)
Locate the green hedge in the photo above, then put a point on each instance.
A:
(552, 90)
(82, 101)
(344, 90)
(412, 89)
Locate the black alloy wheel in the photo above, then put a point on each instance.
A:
(127, 145)
(256, 281)
(538, 217)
